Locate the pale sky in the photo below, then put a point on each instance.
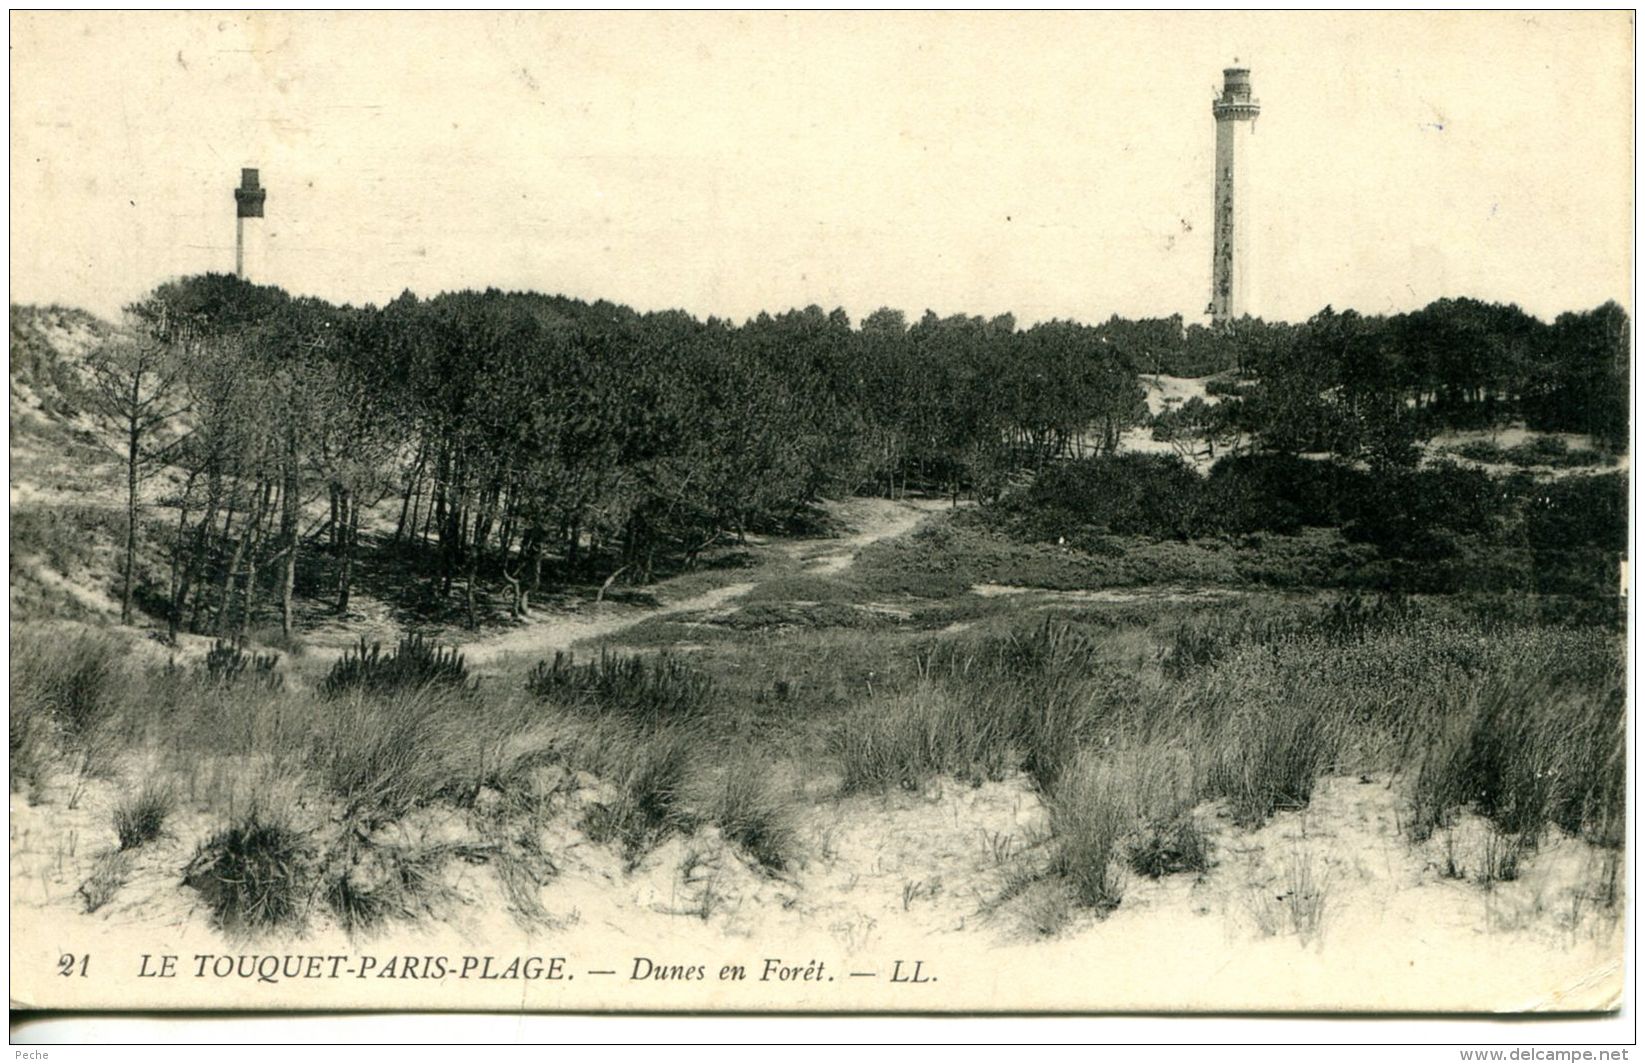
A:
(1050, 165)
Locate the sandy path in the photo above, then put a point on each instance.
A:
(872, 519)
(560, 632)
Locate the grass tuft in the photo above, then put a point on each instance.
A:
(1268, 758)
(899, 740)
(385, 754)
(1092, 810)
(650, 803)
(753, 813)
(108, 875)
(1525, 751)
(365, 885)
(252, 874)
(140, 817)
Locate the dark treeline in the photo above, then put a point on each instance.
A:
(514, 430)
(1439, 528)
(1363, 385)
(513, 433)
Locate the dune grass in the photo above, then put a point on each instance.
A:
(141, 817)
(252, 874)
(1133, 724)
(1520, 723)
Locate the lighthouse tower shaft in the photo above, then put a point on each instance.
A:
(248, 224)
(1236, 113)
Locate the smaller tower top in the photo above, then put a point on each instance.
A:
(249, 197)
(1236, 101)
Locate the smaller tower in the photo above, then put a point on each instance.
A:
(1236, 113)
(248, 220)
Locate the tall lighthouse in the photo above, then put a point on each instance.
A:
(248, 224)
(1236, 113)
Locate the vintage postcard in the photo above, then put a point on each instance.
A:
(809, 512)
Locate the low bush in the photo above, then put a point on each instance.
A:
(253, 874)
(1124, 494)
(650, 692)
(1550, 451)
(767, 616)
(1578, 511)
(228, 663)
(415, 662)
(1279, 494)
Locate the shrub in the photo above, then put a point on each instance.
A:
(227, 663)
(1418, 514)
(1170, 845)
(1279, 493)
(651, 692)
(1141, 494)
(139, 818)
(1538, 451)
(1578, 511)
(415, 662)
(252, 874)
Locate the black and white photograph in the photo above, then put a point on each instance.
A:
(821, 512)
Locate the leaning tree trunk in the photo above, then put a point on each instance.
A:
(516, 589)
